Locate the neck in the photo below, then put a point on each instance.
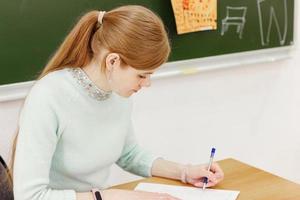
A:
(97, 76)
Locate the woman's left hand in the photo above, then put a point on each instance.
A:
(195, 174)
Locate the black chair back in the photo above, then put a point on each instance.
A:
(6, 191)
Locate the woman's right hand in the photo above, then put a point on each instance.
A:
(117, 194)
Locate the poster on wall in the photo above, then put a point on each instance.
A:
(195, 15)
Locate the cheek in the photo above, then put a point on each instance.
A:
(132, 84)
(131, 81)
(127, 83)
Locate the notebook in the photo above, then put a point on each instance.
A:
(189, 193)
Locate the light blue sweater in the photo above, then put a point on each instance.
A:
(68, 141)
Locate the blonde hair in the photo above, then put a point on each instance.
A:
(134, 32)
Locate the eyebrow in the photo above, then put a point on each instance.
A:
(147, 73)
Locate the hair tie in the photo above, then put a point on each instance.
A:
(100, 16)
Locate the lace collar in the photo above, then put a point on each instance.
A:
(84, 81)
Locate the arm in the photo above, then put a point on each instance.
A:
(192, 174)
(134, 158)
(138, 161)
(36, 143)
(167, 169)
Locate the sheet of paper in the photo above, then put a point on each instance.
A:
(189, 193)
(195, 15)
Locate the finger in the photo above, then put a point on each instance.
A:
(215, 167)
(210, 184)
(218, 172)
(202, 179)
(205, 173)
(200, 184)
(212, 178)
(219, 177)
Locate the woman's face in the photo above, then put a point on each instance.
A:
(126, 81)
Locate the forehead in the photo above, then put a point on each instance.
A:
(143, 71)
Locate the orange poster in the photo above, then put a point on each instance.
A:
(195, 15)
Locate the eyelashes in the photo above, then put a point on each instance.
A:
(141, 76)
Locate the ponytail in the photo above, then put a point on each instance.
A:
(134, 32)
(76, 50)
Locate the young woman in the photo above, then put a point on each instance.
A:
(76, 120)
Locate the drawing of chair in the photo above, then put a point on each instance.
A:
(235, 16)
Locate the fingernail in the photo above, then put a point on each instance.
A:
(197, 184)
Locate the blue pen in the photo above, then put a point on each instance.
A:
(212, 154)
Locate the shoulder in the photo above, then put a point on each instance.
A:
(53, 80)
(47, 88)
(50, 84)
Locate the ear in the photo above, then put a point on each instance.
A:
(112, 60)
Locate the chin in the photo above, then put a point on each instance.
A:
(125, 95)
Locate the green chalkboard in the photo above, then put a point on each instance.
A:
(31, 30)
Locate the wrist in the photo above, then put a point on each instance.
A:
(183, 174)
(176, 171)
(169, 169)
(108, 194)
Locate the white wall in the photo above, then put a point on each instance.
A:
(249, 113)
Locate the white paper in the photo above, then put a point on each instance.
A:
(189, 193)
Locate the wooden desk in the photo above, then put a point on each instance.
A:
(253, 183)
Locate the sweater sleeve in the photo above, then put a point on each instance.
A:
(37, 139)
(135, 159)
